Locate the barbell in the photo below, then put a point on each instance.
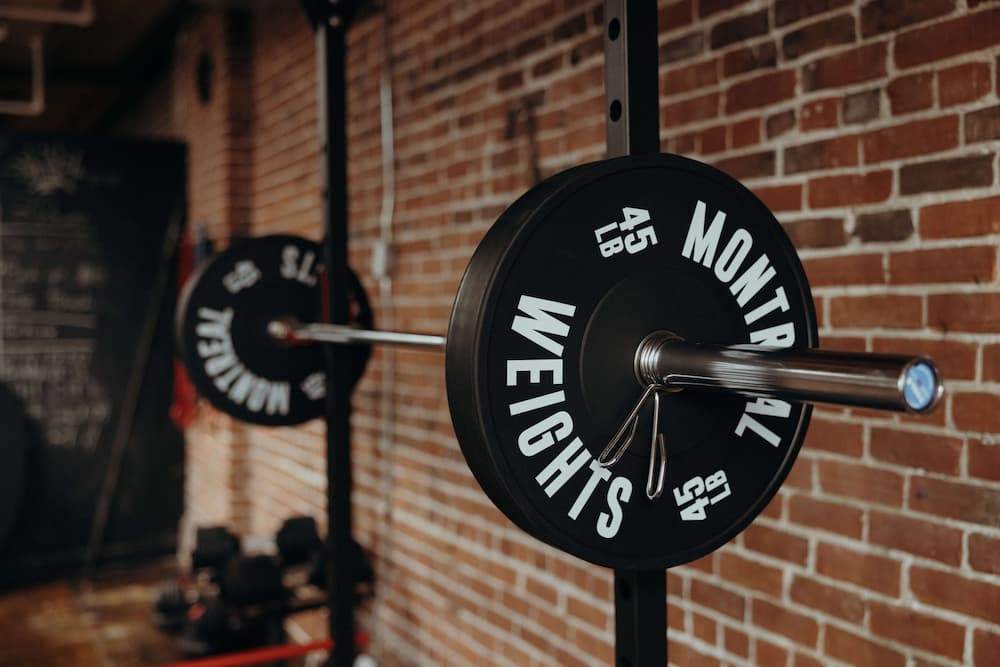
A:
(643, 284)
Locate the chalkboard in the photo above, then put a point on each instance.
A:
(82, 228)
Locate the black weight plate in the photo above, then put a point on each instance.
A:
(222, 320)
(462, 326)
(539, 457)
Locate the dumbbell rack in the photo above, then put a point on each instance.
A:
(632, 121)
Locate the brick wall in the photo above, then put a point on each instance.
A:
(872, 130)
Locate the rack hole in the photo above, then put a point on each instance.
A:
(614, 29)
(615, 110)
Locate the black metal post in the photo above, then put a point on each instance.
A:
(330, 20)
(631, 65)
(640, 618)
(631, 84)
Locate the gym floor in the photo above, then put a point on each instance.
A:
(110, 625)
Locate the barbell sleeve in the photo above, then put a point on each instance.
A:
(887, 382)
(342, 334)
(882, 381)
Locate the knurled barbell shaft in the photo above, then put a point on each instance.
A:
(817, 376)
(887, 382)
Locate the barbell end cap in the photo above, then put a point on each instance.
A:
(921, 386)
(279, 330)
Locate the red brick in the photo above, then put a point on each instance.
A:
(971, 32)
(883, 226)
(877, 310)
(862, 107)
(760, 91)
(845, 270)
(675, 15)
(835, 436)
(816, 232)
(985, 648)
(706, 564)
(781, 197)
(982, 125)
(800, 476)
(691, 110)
(748, 58)
(687, 656)
(984, 553)
(738, 29)
(919, 630)
(850, 189)
(820, 114)
(934, 453)
(914, 138)
(790, 11)
(675, 618)
(976, 217)
(963, 83)
(779, 123)
(770, 654)
(588, 613)
(859, 651)
(977, 411)
(683, 143)
(718, 598)
(704, 628)
(886, 15)
(773, 510)
(709, 7)
(776, 543)
(970, 264)
(797, 627)
(691, 77)
(984, 460)
(861, 482)
(916, 536)
(818, 35)
(845, 343)
(825, 154)
(736, 642)
(956, 500)
(828, 599)
(869, 570)
(681, 48)
(713, 139)
(944, 589)
(803, 660)
(991, 363)
(957, 173)
(964, 312)
(750, 574)
(845, 68)
(910, 93)
(832, 517)
(753, 165)
(745, 133)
